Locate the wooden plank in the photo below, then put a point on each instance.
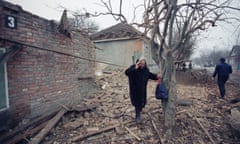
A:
(158, 133)
(39, 137)
(28, 133)
(81, 137)
(133, 134)
(73, 124)
(155, 128)
(90, 129)
(82, 108)
(18, 131)
(204, 130)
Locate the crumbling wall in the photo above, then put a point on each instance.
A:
(51, 69)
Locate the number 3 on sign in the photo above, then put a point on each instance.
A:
(11, 22)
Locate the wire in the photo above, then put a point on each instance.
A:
(58, 52)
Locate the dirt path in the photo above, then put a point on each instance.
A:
(200, 116)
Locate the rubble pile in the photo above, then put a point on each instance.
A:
(194, 77)
(113, 117)
(201, 116)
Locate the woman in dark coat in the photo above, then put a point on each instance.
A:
(138, 75)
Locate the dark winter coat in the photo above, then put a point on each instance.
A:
(138, 79)
(222, 70)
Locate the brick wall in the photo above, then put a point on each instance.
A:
(39, 79)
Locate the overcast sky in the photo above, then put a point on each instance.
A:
(221, 37)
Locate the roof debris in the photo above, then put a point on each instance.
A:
(111, 116)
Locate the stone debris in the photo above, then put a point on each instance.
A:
(201, 116)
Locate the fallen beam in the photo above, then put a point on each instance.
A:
(81, 137)
(39, 137)
(205, 131)
(133, 134)
(155, 128)
(36, 125)
(18, 131)
(28, 133)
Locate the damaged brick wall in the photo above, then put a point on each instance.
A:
(45, 72)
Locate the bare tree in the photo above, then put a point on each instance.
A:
(211, 58)
(188, 17)
(162, 19)
(82, 22)
(187, 49)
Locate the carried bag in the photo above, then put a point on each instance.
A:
(161, 91)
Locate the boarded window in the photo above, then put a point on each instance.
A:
(3, 92)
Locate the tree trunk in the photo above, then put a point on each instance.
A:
(169, 106)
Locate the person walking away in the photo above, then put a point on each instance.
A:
(139, 75)
(190, 65)
(184, 67)
(222, 70)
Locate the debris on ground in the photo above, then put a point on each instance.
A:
(201, 117)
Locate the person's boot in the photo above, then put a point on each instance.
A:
(138, 116)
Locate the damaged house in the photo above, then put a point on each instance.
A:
(43, 65)
(121, 45)
(234, 58)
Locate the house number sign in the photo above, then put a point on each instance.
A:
(10, 22)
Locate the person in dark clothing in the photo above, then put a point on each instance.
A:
(222, 70)
(139, 75)
(190, 65)
(184, 67)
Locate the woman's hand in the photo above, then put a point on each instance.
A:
(137, 65)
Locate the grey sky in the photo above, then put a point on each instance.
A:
(221, 37)
(52, 9)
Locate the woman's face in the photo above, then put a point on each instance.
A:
(142, 63)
